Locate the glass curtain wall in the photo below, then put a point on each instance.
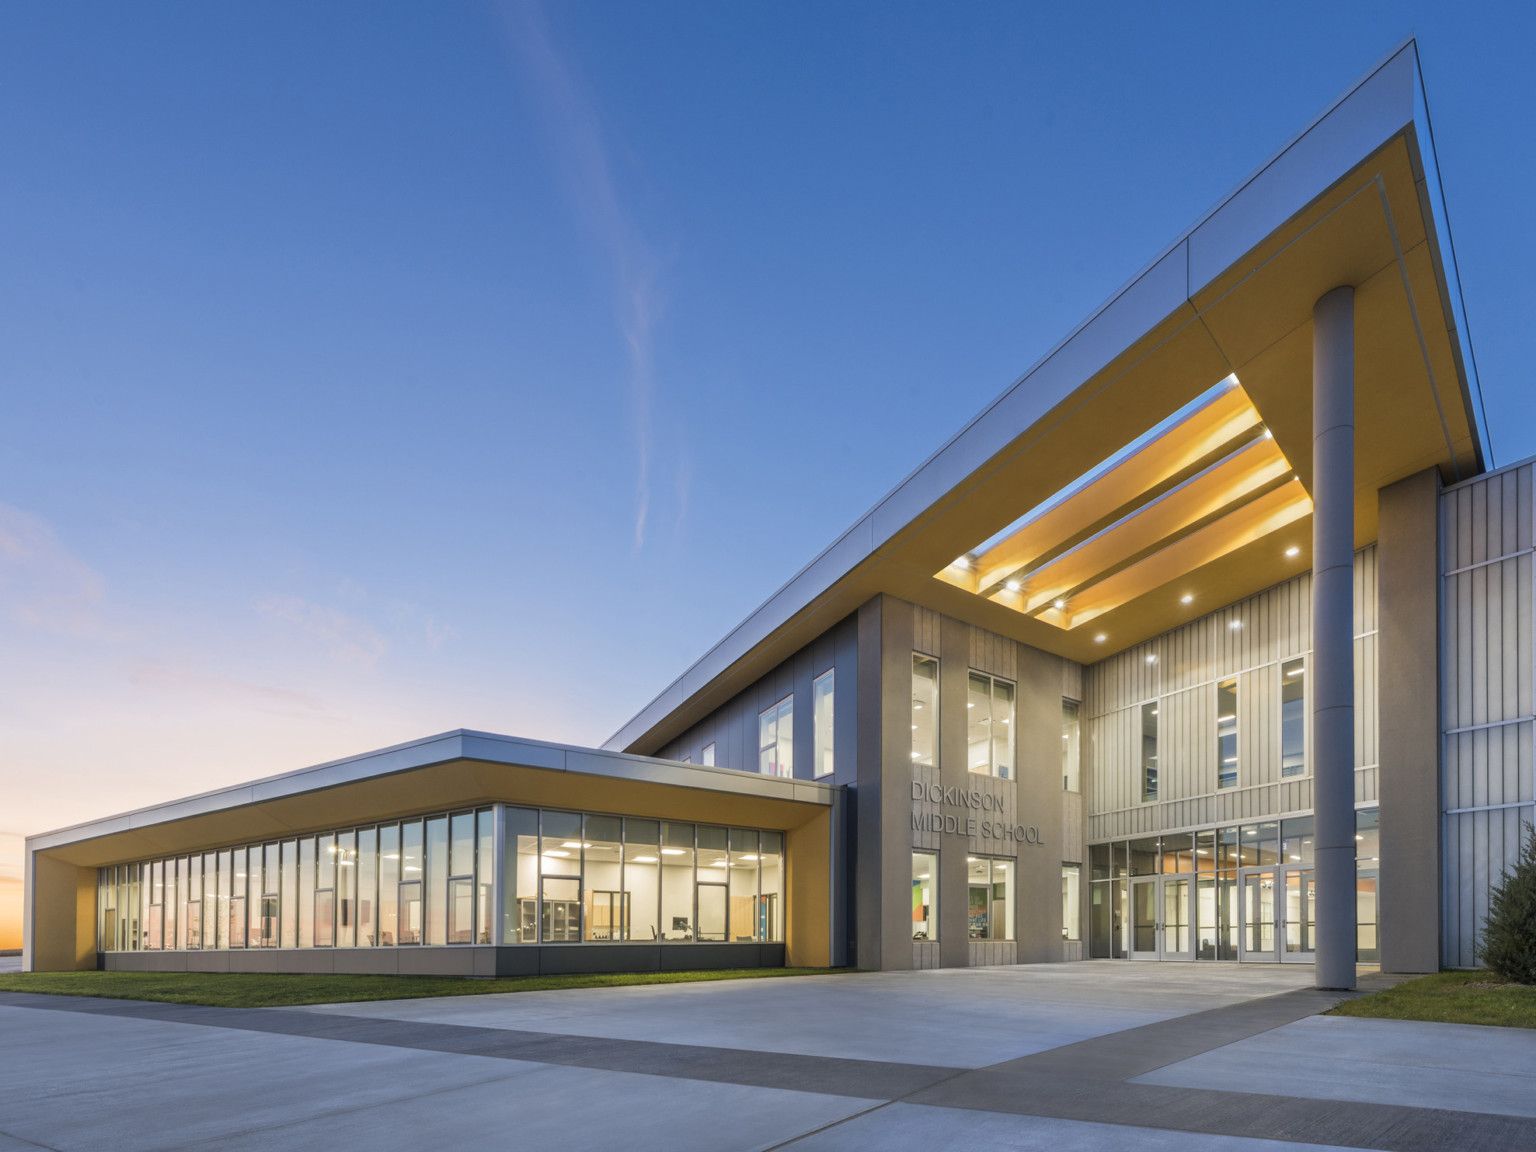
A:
(358, 888)
(1253, 892)
(571, 878)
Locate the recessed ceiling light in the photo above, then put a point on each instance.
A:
(1268, 435)
(1292, 550)
(1099, 639)
(1186, 598)
(1013, 585)
(962, 562)
(1235, 624)
(1061, 604)
(674, 851)
(551, 852)
(1151, 659)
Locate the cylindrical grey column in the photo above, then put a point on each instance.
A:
(1333, 631)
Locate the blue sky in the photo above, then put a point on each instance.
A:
(376, 369)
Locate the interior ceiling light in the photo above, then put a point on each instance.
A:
(1186, 598)
(1060, 604)
(1293, 551)
(674, 851)
(1099, 639)
(1013, 585)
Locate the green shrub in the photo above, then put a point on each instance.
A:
(1508, 944)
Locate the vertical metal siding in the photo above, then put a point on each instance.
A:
(1488, 666)
(1248, 641)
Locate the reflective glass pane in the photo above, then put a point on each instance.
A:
(520, 882)
(1296, 841)
(1144, 857)
(1226, 734)
(642, 877)
(1071, 754)
(346, 889)
(677, 881)
(560, 910)
(712, 904)
(560, 854)
(925, 710)
(410, 912)
(461, 846)
(607, 912)
(1149, 727)
(1002, 729)
(389, 885)
(485, 871)
(436, 886)
(367, 888)
(771, 901)
(978, 723)
(461, 910)
(306, 892)
(743, 908)
(821, 724)
(325, 918)
(1293, 718)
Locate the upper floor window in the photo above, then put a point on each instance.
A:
(925, 710)
(989, 709)
(1071, 755)
(775, 739)
(708, 755)
(821, 723)
(1226, 734)
(1149, 720)
(1293, 717)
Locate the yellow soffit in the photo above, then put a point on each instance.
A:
(1227, 416)
(1267, 514)
(1231, 480)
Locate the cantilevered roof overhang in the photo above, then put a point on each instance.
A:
(450, 770)
(1210, 508)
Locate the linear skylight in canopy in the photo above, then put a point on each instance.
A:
(1196, 486)
(1108, 463)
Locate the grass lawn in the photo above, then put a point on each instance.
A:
(1450, 998)
(265, 990)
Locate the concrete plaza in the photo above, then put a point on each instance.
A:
(1067, 1056)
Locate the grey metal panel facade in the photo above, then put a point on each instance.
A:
(733, 729)
(1179, 670)
(1488, 680)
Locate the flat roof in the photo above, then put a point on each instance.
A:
(1354, 198)
(444, 748)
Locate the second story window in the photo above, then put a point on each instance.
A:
(925, 711)
(775, 739)
(989, 713)
(821, 723)
(1149, 713)
(708, 755)
(1226, 734)
(1071, 744)
(1293, 718)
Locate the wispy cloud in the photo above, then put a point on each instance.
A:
(214, 687)
(347, 639)
(43, 585)
(581, 154)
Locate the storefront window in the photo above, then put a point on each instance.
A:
(569, 877)
(989, 905)
(925, 711)
(925, 896)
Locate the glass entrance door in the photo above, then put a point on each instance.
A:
(1144, 918)
(1162, 924)
(1257, 939)
(1178, 926)
(1300, 891)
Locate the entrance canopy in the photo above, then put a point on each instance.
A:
(1156, 465)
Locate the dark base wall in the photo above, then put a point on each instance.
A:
(471, 961)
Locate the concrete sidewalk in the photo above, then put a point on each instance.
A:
(1089, 1056)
